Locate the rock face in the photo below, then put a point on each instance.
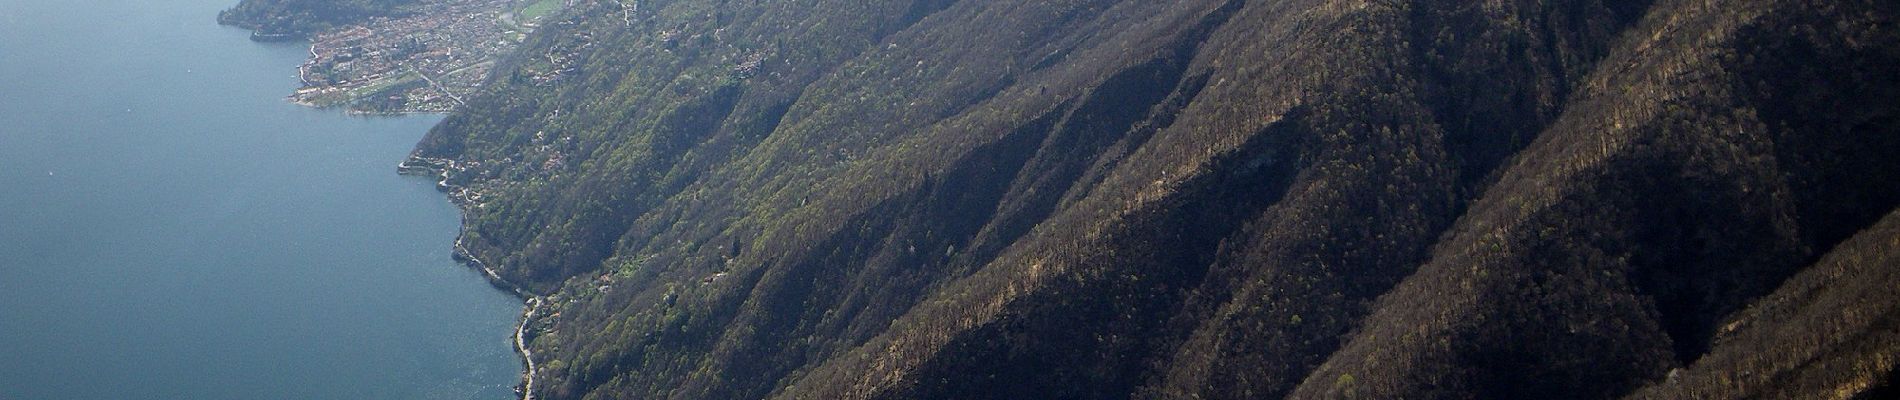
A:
(845, 199)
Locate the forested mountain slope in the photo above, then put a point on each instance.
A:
(830, 199)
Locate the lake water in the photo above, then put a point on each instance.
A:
(170, 228)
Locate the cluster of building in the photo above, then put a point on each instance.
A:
(426, 60)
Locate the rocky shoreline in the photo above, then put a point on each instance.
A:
(423, 61)
(443, 169)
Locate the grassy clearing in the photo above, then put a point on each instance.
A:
(538, 9)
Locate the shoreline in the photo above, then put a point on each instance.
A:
(366, 114)
(430, 56)
(524, 390)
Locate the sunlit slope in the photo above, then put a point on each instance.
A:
(1110, 199)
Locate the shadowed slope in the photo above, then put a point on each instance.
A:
(1214, 199)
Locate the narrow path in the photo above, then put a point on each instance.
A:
(303, 70)
(521, 346)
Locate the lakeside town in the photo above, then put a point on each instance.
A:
(427, 60)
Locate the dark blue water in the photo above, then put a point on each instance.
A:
(170, 228)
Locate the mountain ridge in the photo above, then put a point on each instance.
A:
(1229, 199)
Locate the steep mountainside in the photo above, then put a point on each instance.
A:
(901, 199)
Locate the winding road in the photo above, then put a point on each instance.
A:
(461, 252)
(521, 346)
(527, 315)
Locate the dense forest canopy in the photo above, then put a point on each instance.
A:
(1217, 199)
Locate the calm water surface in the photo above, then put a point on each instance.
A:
(170, 228)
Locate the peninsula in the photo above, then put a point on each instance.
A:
(394, 56)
